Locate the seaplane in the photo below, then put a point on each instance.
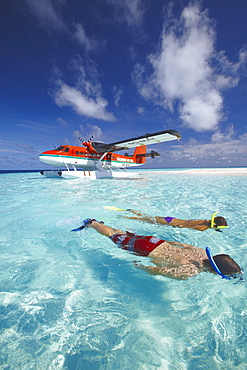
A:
(97, 160)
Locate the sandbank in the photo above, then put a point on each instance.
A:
(208, 171)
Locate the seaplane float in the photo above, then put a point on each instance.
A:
(97, 160)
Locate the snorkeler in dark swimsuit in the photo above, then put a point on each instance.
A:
(217, 223)
(171, 259)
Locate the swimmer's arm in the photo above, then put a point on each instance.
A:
(200, 225)
(153, 270)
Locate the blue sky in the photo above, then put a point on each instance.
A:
(116, 69)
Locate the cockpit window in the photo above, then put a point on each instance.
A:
(66, 150)
(60, 148)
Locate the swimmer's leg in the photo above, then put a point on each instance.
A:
(149, 219)
(138, 213)
(104, 229)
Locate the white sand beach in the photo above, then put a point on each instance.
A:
(211, 171)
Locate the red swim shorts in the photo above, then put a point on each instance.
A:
(141, 245)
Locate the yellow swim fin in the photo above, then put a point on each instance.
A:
(116, 209)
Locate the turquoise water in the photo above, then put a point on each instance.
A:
(75, 301)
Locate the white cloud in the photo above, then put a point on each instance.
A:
(62, 122)
(129, 11)
(26, 148)
(141, 110)
(210, 150)
(83, 104)
(36, 126)
(88, 43)
(118, 93)
(48, 12)
(243, 137)
(85, 97)
(90, 131)
(223, 150)
(220, 137)
(188, 74)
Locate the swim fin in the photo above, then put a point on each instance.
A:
(116, 209)
(85, 223)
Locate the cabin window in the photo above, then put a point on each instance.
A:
(66, 150)
(60, 148)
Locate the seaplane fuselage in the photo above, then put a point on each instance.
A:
(79, 157)
(97, 155)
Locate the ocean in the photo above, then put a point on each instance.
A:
(76, 301)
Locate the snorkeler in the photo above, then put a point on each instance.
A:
(171, 259)
(216, 223)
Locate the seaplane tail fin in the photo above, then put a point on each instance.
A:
(139, 155)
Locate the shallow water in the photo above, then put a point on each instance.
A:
(75, 301)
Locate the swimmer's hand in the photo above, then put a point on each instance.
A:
(153, 270)
(140, 266)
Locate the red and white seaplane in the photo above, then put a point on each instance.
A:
(98, 160)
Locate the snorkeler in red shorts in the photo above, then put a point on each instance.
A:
(141, 245)
(172, 259)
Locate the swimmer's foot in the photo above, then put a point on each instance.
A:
(86, 223)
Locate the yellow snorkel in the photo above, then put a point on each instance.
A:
(213, 224)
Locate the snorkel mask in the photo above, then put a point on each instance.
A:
(213, 224)
(238, 275)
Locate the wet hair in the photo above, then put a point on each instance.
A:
(226, 264)
(220, 221)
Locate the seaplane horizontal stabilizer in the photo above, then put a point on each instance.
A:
(152, 154)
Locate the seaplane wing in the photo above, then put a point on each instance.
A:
(147, 139)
